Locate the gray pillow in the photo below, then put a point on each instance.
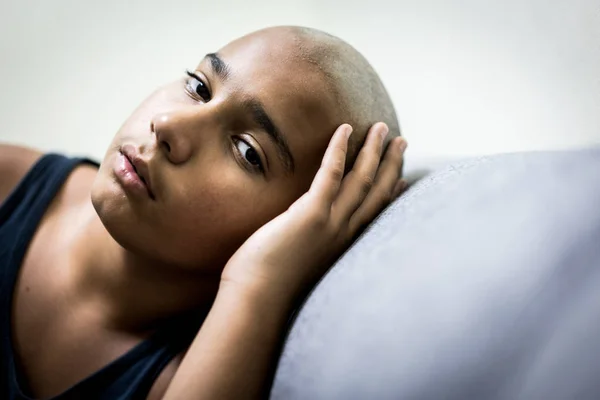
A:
(480, 282)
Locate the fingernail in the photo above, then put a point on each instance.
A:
(383, 130)
(403, 145)
(348, 131)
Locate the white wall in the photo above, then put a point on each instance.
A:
(467, 76)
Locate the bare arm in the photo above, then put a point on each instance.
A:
(234, 352)
(233, 355)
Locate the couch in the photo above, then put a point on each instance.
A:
(482, 281)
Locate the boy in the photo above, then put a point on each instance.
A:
(103, 298)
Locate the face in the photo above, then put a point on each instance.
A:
(208, 159)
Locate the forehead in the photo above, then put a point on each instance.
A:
(294, 92)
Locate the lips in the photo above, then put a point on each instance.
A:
(139, 166)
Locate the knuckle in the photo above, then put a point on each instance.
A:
(339, 227)
(337, 170)
(387, 196)
(365, 182)
(319, 218)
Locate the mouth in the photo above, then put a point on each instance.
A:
(139, 167)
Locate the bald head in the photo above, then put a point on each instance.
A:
(328, 82)
(360, 93)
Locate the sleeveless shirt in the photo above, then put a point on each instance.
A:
(128, 377)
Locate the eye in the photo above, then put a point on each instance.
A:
(196, 87)
(249, 154)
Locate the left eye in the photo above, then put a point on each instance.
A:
(249, 153)
(196, 86)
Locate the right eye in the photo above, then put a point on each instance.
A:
(196, 87)
(250, 156)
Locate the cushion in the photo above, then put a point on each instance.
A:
(481, 281)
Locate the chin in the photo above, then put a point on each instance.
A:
(116, 214)
(160, 245)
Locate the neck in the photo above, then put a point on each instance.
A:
(130, 292)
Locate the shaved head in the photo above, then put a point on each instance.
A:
(233, 143)
(360, 93)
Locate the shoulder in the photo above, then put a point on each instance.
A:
(159, 388)
(15, 161)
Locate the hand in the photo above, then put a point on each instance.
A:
(290, 253)
(238, 341)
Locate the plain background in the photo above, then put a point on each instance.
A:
(467, 77)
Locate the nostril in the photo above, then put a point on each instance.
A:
(166, 146)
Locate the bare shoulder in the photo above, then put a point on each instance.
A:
(15, 161)
(161, 383)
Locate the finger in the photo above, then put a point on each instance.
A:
(360, 179)
(399, 188)
(386, 187)
(326, 183)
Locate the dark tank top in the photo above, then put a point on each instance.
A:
(130, 376)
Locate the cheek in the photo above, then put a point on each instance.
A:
(220, 204)
(208, 219)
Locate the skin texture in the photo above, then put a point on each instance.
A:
(204, 185)
(360, 94)
(264, 278)
(114, 253)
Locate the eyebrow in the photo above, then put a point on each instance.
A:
(262, 119)
(259, 115)
(219, 66)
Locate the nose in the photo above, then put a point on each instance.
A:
(175, 133)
